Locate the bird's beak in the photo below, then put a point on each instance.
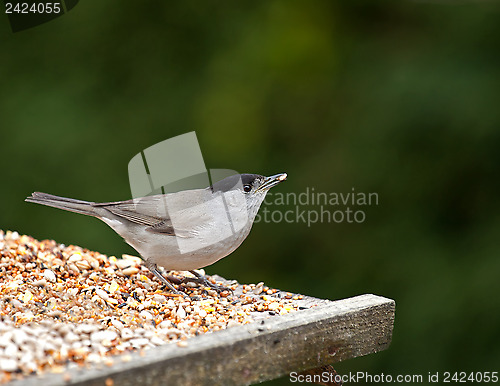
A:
(271, 181)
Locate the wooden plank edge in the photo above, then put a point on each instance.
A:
(256, 352)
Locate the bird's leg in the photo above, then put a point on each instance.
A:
(200, 279)
(154, 269)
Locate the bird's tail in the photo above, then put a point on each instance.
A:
(77, 206)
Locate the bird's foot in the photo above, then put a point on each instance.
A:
(199, 279)
(166, 283)
(174, 292)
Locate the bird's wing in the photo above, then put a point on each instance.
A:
(156, 212)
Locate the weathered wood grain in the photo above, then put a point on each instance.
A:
(270, 348)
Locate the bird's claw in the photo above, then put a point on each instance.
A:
(207, 283)
(174, 292)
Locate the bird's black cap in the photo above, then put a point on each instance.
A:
(232, 182)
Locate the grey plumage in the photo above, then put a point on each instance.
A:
(186, 230)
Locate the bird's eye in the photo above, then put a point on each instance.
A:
(247, 188)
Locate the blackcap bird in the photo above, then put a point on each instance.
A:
(185, 230)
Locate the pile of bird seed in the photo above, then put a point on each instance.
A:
(63, 306)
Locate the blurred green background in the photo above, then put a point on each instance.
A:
(397, 98)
